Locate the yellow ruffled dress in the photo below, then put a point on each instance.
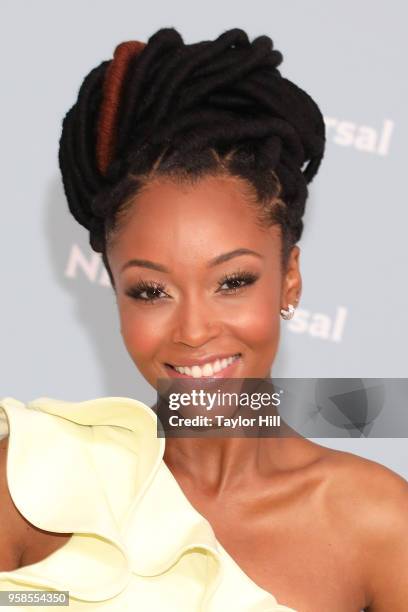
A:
(96, 469)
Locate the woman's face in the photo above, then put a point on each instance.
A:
(198, 280)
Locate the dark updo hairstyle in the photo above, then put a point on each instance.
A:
(165, 108)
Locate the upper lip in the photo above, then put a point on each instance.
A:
(192, 361)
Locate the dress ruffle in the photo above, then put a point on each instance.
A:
(96, 469)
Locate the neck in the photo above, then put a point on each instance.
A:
(215, 464)
(218, 459)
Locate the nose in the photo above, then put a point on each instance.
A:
(195, 322)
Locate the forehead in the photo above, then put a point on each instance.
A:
(204, 219)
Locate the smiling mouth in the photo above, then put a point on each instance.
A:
(207, 369)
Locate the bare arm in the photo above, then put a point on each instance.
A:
(10, 522)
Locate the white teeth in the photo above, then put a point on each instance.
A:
(196, 371)
(208, 369)
(217, 366)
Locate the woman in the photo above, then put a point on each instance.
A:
(189, 165)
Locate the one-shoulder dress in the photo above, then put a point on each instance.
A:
(95, 469)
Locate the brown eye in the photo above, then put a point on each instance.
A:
(237, 281)
(146, 291)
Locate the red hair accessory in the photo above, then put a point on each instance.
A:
(112, 90)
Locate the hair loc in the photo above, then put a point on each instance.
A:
(111, 96)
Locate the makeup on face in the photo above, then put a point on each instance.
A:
(198, 283)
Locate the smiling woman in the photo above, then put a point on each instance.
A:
(205, 306)
(189, 166)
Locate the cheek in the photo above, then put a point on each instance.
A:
(258, 324)
(142, 332)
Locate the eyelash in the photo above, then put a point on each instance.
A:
(135, 292)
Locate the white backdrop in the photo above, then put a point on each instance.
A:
(59, 329)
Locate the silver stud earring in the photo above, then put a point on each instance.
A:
(288, 314)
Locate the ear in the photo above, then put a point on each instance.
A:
(292, 280)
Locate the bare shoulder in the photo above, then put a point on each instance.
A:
(360, 487)
(369, 503)
(357, 480)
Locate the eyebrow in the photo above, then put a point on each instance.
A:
(219, 259)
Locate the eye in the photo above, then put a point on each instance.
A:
(237, 281)
(146, 291)
(150, 292)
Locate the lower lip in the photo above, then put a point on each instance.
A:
(224, 373)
